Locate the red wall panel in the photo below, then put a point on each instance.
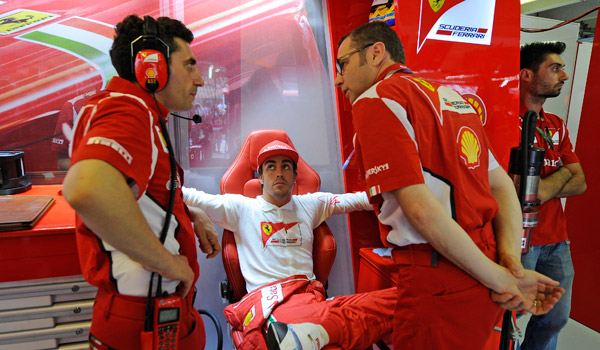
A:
(489, 71)
(581, 210)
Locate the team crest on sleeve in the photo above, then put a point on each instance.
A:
(280, 234)
(469, 147)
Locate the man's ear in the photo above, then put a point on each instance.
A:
(377, 54)
(526, 75)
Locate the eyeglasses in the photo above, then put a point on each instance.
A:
(339, 66)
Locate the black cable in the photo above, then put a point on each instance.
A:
(217, 327)
(148, 314)
(506, 330)
(34, 142)
(539, 30)
(171, 204)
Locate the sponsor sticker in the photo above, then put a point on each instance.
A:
(152, 57)
(555, 136)
(477, 103)
(464, 21)
(150, 73)
(267, 228)
(469, 147)
(333, 200)
(375, 190)
(436, 5)
(271, 296)
(99, 140)
(276, 233)
(249, 316)
(377, 169)
(424, 83)
(20, 19)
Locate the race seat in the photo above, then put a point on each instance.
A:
(241, 178)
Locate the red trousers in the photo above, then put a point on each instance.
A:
(441, 307)
(352, 321)
(118, 320)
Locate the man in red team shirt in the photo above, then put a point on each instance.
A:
(119, 184)
(445, 205)
(542, 76)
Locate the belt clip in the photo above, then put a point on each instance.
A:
(434, 258)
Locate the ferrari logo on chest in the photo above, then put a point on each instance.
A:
(267, 229)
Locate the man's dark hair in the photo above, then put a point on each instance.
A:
(260, 170)
(534, 54)
(373, 32)
(131, 28)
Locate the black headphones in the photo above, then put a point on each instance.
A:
(150, 57)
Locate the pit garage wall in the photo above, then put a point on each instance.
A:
(581, 210)
(471, 46)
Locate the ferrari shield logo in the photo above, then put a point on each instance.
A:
(436, 5)
(21, 19)
(267, 229)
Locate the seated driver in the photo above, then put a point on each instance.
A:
(274, 236)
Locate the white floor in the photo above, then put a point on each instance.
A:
(575, 336)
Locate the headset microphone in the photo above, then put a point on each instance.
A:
(196, 118)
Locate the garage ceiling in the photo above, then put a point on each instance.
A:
(565, 10)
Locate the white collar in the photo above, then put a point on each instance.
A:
(266, 206)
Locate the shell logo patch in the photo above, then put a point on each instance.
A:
(469, 147)
(150, 73)
(424, 83)
(436, 5)
(477, 103)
